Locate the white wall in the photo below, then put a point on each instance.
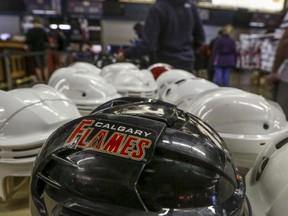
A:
(120, 32)
(117, 32)
(211, 32)
(9, 24)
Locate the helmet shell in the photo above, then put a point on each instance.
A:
(119, 156)
(246, 121)
(109, 71)
(85, 66)
(158, 68)
(169, 77)
(85, 88)
(42, 106)
(182, 92)
(133, 82)
(27, 117)
(266, 180)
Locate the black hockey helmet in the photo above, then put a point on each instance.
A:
(135, 156)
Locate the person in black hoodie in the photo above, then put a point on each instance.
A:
(37, 41)
(172, 31)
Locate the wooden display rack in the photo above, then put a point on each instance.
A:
(13, 67)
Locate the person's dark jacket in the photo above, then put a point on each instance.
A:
(173, 30)
(224, 52)
(37, 39)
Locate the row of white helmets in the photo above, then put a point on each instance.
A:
(28, 116)
(89, 86)
(247, 122)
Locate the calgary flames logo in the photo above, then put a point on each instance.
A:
(111, 138)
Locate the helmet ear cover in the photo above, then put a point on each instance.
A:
(78, 156)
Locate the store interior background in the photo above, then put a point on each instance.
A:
(111, 23)
(113, 20)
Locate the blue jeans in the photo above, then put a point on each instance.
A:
(222, 76)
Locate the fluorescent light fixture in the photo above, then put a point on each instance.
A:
(139, 1)
(53, 26)
(96, 48)
(47, 12)
(60, 26)
(64, 26)
(5, 36)
(94, 28)
(256, 24)
(256, 5)
(86, 3)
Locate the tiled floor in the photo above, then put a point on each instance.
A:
(252, 81)
(18, 205)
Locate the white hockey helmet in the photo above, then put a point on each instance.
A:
(109, 71)
(182, 92)
(27, 117)
(169, 77)
(134, 83)
(158, 68)
(267, 181)
(86, 66)
(86, 89)
(246, 121)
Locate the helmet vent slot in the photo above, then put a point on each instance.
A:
(266, 126)
(179, 81)
(262, 166)
(281, 144)
(27, 156)
(64, 161)
(168, 92)
(26, 149)
(44, 175)
(20, 152)
(48, 180)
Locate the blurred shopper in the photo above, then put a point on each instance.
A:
(173, 30)
(37, 41)
(62, 46)
(279, 74)
(146, 60)
(210, 69)
(138, 29)
(224, 56)
(202, 56)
